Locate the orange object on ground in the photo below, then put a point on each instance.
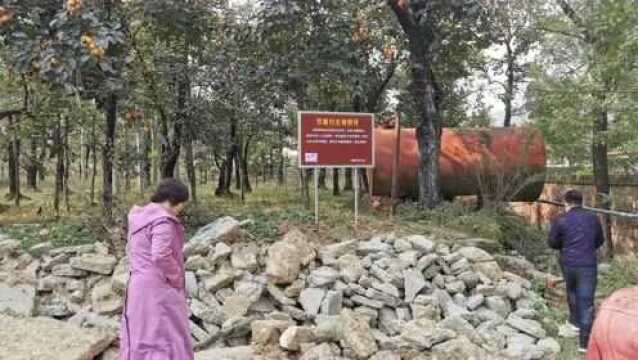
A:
(496, 155)
(615, 332)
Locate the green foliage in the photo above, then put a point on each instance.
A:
(59, 234)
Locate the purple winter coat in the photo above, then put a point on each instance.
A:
(155, 322)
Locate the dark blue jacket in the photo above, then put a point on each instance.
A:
(577, 234)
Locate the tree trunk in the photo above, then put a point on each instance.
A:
(508, 97)
(94, 161)
(59, 168)
(244, 167)
(32, 170)
(107, 156)
(190, 167)
(42, 158)
(126, 159)
(14, 164)
(281, 163)
(601, 172)
(348, 180)
(336, 189)
(67, 165)
(428, 132)
(322, 179)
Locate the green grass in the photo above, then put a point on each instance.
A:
(59, 234)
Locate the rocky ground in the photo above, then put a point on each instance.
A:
(386, 297)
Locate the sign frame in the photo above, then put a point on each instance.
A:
(354, 166)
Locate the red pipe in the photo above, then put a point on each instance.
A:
(468, 159)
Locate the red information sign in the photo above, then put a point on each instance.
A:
(336, 139)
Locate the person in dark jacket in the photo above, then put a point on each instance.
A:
(578, 235)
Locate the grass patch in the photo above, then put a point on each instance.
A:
(59, 234)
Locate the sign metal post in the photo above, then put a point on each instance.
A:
(333, 140)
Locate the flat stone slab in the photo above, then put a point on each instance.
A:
(234, 353)
(57, 340)
(18, 300)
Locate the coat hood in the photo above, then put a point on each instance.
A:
(141, 216)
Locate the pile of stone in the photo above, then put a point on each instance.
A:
(388, 297)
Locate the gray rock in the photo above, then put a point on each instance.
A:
(105, 300)
(120, 275)
(383, 297)
(452, 258)
(421, 243)
(295, 312)
(402, 245)
(196, 262)
(425, 261)
(323, 277)
(522, 347)
(245, 257)
(357, 335)
(283, 263)
(387, 289)
(236, 306)
(413, 283)
(266, 332)
(17, 300)
(461, 327)
(323, 351)
(475, 301)
(403, 314)
(514, 290)
(222, 229)
(221, 252)
(304, 247)
(460, 266)
(53, 306)
(329, 328)
(422, 334)
(499, 305)
(251, 287)
(333, 303)
(210, 312)
(455, 287)
(233, 353)
(218, 282)
(294, 289)
(311, 300)
(431, 311)
(374, 245)
(389, 321)
(67, 271)
(386, 355)
(351, 268)
(73, 250)
(360, 300)
(279, 295)
(41, 249)
(530, 327)
(294, 336)
(48, 339)
(470, 278)
(460, 348)
(489, 269)
(475, 254)
(329, 254)
(99, 264)
(409, 257)
(192, 289)
(549, 345)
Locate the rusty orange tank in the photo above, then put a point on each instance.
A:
(469, 159)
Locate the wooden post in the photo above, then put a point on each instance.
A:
(395, 165)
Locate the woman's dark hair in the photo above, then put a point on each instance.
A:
(573, 197)
(171, 190)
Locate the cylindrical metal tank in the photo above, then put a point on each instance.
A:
(473, 159)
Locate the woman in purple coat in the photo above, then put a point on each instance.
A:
(155, 321)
